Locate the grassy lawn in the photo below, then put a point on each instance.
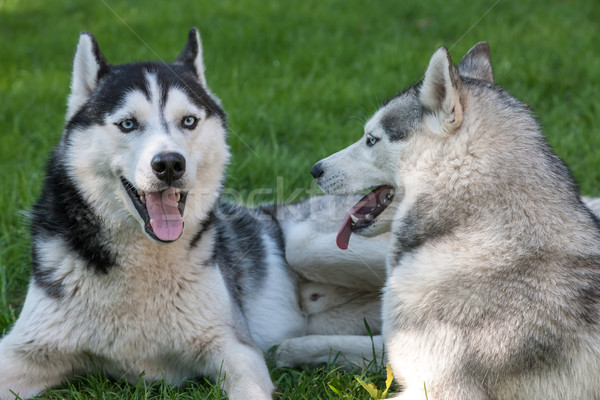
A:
(298, 79)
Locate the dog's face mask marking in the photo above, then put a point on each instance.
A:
(395, 140)
(158, 122)
(364, 166)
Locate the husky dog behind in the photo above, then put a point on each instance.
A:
(138, 267)
(493, 288)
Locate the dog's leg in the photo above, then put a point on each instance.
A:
(243, 371)
(312, 253)
(430, 365)
(351, 351)
(25, 370)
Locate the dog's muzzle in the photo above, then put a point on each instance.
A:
(161, 211)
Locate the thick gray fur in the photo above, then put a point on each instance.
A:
(493, 285)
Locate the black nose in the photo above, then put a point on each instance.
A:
(317, 170)
(168, 167)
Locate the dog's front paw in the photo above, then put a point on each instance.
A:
(285, 354)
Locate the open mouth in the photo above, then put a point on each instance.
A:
(162, 212)
(364, 213)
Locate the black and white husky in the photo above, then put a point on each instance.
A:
(493, 287)
(138, 267)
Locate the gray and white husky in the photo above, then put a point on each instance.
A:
(493, 287)
(139, 269)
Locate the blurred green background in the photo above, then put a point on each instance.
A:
(298, 79)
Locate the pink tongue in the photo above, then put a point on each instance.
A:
(368, 204)
(167, 223)
(343, 236)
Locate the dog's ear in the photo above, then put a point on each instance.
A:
(89, 66)
(477, 63)
(441, 91)
(192, 55)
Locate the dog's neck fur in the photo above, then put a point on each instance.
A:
(71, 211)
(449, 192)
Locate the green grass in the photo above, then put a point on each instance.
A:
(298, 79)
(306, 384)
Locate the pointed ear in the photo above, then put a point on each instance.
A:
(192, 55)
(88, 67)
(477, 63)
(441, 91)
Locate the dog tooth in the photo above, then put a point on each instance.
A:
(177, 196)
(143, 198)
(151, 222)
(354, 218)
(391, 193)
(140, 192)
(369, 217)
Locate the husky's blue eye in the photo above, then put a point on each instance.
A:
(189, 122)
(371, 140)
(127, 125)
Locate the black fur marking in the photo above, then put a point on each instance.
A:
(239, 250)
(530, 355)
(164, 94)
(123, 79)
(43, 279)
(421, 224)
(400, 123)
(414, 89)
(274, 228)
(402, 119)
(207, 223)
(62, 212)
(190, 51)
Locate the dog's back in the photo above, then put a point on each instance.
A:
(496, 268)
(493, 288)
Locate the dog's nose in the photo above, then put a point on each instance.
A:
(168, 167)
(317, 170)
